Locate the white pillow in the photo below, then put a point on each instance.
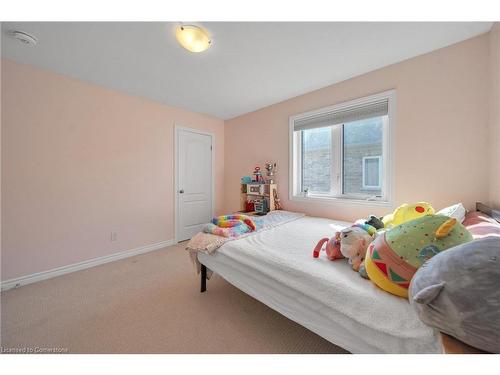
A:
(456, 211)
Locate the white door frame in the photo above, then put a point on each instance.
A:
(177, 128)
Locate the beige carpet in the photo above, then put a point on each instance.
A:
(148, 304)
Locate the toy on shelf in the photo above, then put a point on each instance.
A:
(261, 206)
(407, 212)
(255, 189)
(250, 206)
(258, 195)
(271, 169)
(257, 175)
(246, 180)
(261, 196)
(277, 201)
(395, 255)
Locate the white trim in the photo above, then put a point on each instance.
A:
(388, 154)
(343, 200)
(363, 170)
(44, 275)
(177, 128)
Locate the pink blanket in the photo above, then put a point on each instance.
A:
(206, 243)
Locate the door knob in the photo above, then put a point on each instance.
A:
(181, 191)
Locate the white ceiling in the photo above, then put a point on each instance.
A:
(249, 66)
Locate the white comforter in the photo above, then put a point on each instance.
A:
(283, 253)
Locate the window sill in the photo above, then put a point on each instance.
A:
(341, 201)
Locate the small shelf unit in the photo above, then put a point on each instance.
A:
(258, 192)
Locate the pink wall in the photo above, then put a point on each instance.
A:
(1, 117)
(440, 134)
(495, 116)
(80, 161)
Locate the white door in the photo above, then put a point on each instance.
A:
(194, 182)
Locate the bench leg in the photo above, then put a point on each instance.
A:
(203, 278)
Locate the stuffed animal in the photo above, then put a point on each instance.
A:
(457, 292)
(395, 255)
(375, 222)
(350, 243)
(354, 242)
(332, 247)
(407, 212)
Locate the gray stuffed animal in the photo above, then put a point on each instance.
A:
(458, 293)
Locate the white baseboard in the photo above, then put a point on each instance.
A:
(39, 276)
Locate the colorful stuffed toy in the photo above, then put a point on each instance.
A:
(332, 247)
(350, 243)
(407, 212)
(229, 221)
(354, 242)
(394, 257)
(232, 225)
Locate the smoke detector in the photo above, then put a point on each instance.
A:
(24, 38)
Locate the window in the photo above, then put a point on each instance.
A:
(343, 151)
(317, 159)
(371, 172)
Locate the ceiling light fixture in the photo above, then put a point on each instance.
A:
(193, 38)
(24, 38)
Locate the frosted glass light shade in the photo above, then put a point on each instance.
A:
(193, 38)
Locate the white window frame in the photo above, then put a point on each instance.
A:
(372, 187)
(387, 165)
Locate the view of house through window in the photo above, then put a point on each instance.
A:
(317, 159)
(361, 146)
(361, 140)
(371, 172)
(342, 153)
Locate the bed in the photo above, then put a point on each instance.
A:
(276, 267)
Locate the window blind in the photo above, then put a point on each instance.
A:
(341, 116)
